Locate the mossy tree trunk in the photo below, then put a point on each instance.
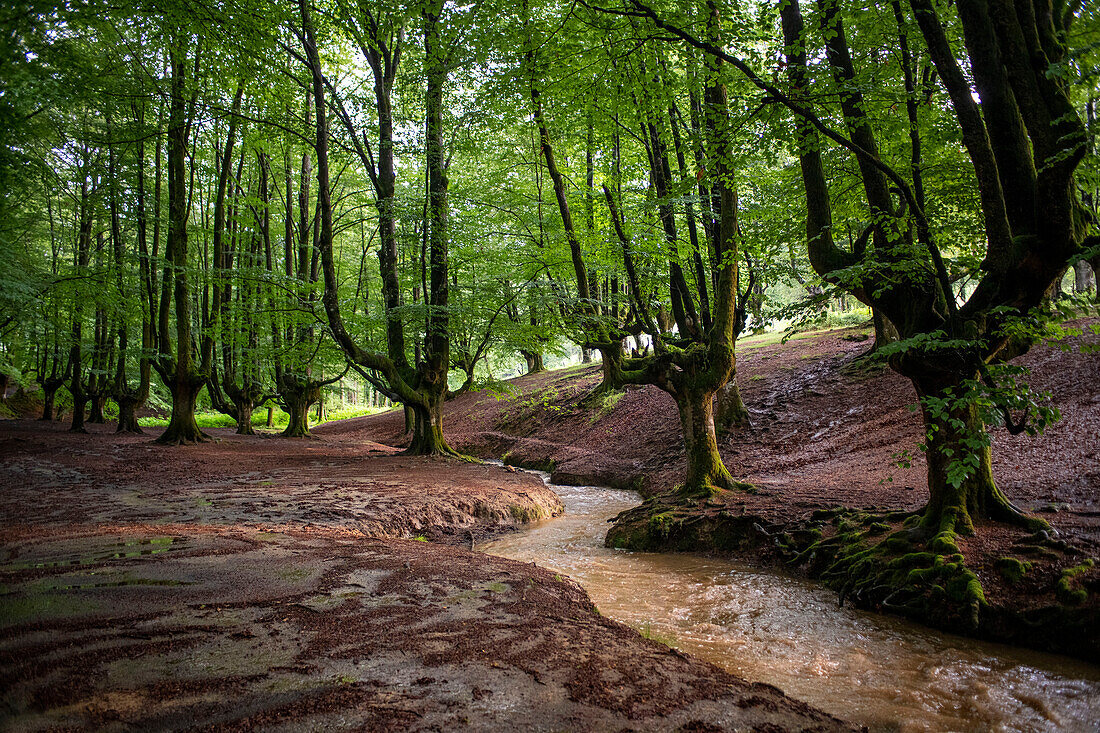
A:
(182, 428)
(297, 399)
(182, 375)
(730, 410)
(127, 417)
(960, 467)
(427, 438)
(534, 361)
(49, 394)
(95, 411)
(245, 407)
(80, 401)
(706, 474)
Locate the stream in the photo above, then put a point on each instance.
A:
(869, 669)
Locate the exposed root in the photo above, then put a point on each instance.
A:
(444, 451)
(913, 571)
(201, 437)
(711, 486)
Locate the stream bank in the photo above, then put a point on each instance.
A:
(875, 670)
(824, 439)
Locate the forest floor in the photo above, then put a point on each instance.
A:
(825, 434)
(276, 584)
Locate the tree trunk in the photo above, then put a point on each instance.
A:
(1082, 277)
(586, 356)
(960, 468)
(706, 475)
(534, 362)
(885, 331)
(49, 392)
(245, 406)
(409, 420)
(182, 428)
(80, 399)
(428, 437)
(298, 400)
(730, 409)
(270, 416)
(95, 411)
(127, 419)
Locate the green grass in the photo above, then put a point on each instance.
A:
(213, 419)
(647, 631)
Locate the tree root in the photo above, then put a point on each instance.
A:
(913, 571)
(179, 439)
(445, 451)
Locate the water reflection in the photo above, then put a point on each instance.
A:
(881, 672)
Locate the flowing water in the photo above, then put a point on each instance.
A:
(885, 673)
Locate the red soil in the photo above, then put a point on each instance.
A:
(259, 582)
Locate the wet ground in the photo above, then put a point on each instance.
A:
(262, 583)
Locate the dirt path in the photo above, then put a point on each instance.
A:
(261, 583)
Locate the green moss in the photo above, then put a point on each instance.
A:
(662, 523)
(897, 544)
(43, 606)
(524, 514)
(1065, 589)
(1038, 551)
(1011, 569)
(944, 543)
(605, 404)
(294, 574)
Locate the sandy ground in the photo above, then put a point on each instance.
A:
(266, 583)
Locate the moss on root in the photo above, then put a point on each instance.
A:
(902, 571)
(1013, 569)
(886, 561)
(1068, 588)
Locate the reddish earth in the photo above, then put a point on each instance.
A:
(262, 583)
(823, 435)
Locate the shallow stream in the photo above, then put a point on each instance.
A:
(885, 673)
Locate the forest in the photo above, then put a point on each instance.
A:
(276, 279)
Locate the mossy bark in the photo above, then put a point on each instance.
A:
(182, 428)
(534, 361)
(706, 474)
(80, 400)
(427, 439)
(730, 409)
(127, 417)
(957, 437)
(95, 409)
(297, 403)
(245, 407)
(49, 394)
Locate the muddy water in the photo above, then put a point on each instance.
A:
(884, 673)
